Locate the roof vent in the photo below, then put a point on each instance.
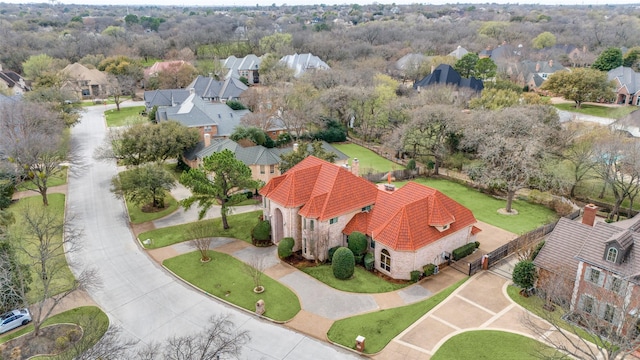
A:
(389, 187)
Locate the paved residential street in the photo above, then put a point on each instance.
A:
(137, 294)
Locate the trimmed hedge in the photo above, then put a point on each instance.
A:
(331, 252)
(415, 276)
(429, 269)
(369, 261)
(262, 231)
(463, 251)
(285, 247)
(357, 243)
(524, 274)
(343, 264)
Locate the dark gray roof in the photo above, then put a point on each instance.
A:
(195, 112)
(559, 250)
(210, 88)
(170, 97)
(627, 77)
(233, 64)
(546, 67)
(445, 74)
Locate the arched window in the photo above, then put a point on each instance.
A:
(385, 260)
(612, 254)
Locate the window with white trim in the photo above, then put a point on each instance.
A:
(333, 221)
(588, 304)
(594, 276)
(612, 254)
(262, 169)
(272, 169)
(615, 283)
(385, 260)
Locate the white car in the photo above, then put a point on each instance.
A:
(13, 319)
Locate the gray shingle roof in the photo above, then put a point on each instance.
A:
(169, 97)
(210, 88)
(627, 77)
(233, 64)
(559, 250)
(445, 74)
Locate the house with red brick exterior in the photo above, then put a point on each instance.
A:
(320, 204)
(599, 264)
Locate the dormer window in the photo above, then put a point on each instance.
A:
(442, 228)
(612, 254)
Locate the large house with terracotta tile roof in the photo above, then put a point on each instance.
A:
(320, 204)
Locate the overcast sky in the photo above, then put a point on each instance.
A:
(311, 2)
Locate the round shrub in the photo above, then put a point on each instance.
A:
(429, 269)
(285, 247)
(415, 276)
(357, 243)
(524, 274)
(331, 252)
(262, 231)
(74, 335)
(369, 261)
(411, 164)
(343, 263)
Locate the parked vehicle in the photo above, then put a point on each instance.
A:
(13, 319)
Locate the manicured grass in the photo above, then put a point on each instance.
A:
(369, 161)
(137, 216)
(601, 111)
(56, 206)
(240, 228)
(59, 179)
(493, 345)
(485, 207)
(380, 327)
(225, 277)
(126, 116)
(535, 304)
(591, 189)
(362, 281)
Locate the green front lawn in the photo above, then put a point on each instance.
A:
(56, 206)
(240, 226)
(485, 207)
(225, 277)
(126, 116)
(380, 327)
(363, 281)
(56, 180)
(596, 110)
(494, 345)
(137, 216)
(368, 159)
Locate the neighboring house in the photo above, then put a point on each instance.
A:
(84, 82)
(409, 64)
(627, 83)
(207, 88)
(536, 72)
(215, 119)
(319, 204)
(459, 52)
(13, 83)
(160, 66)
(598, 264)
(445, 74)
(247, 67)
(301, 63)
(629, 123)
(263, 162)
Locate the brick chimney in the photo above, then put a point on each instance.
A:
(589, 214)
(355, 167)
(207, 140)
(537, 67)
(551, 63)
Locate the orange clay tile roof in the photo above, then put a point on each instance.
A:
(324, 190)
(475, 230)
(404, 219)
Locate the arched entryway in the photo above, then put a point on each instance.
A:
(278, 231)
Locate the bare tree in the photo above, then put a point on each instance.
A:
(219, 339)
(604, 325)
(33, 140)
(255, 268)
(42, 239)
(95, 343)
(200, 234)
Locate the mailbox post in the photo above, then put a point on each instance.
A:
(360, 343)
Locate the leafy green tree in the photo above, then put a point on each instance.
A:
(37, 65)
(494, 29)
(131, 19)
(290, 159)
(610, 58)
(544, 40)
(580, 85)
(493, 99)
(467, 64)
(631, 58)
(236, 105)
(146, 185)
(485, 69)
(285, 247)
(125, 74)
(524, 274)
(277, 43)
(256, 135)
(358, 243)
(214, 182)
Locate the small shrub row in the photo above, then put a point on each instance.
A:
(369, 261)
(429, 269)
(464, 250)
(415, 276)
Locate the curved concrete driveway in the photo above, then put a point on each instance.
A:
(137, 294)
